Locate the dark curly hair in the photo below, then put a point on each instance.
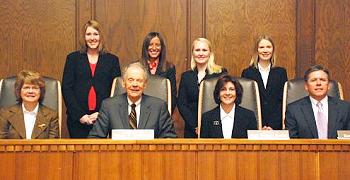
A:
(221, 83)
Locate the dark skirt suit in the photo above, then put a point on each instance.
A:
(188, 99)
(169, 73)
(76, 84)
(271, 97)
(211, 126)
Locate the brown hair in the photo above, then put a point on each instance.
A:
(96, 25)
(29, 77)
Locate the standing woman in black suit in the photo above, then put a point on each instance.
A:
(87, 80)
(154, 60)
(270, 81)
(202, 67)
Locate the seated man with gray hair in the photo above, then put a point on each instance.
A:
(133, 109)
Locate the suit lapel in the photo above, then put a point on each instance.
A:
(236, 123)
(332, 117)
(40, 123)
(99, 64)
(217, 124)
(17, 120)
(310, 119)
(123, 112)
(270, 80)
(145, 111)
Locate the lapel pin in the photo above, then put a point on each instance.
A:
(42, 126)
(216, 123)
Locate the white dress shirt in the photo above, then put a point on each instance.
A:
(264, 72)
(137, 108)
(227, 121)
(29, 120)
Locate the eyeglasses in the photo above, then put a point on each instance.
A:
(33, 88)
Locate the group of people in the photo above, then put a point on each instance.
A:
(89, 73)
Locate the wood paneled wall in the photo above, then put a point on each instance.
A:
(39, 34)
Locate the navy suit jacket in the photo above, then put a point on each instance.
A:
(244, 120)
(188, 99)
(154, 114)
(271, 96)
(76, 83)
(300, 120)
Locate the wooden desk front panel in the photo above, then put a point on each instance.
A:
(174, 159)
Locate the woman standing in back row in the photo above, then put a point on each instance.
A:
(270, 79)
(202, 67)
(87, 80)
(155, 61)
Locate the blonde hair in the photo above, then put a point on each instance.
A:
(96, 25)
(29, 77)
(255, 58)
(211, 67)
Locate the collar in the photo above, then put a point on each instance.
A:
(136, 103)
(231, 114)
(34, 112)
(264, 69)
(323, 101)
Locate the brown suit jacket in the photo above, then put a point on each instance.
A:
(12, 123)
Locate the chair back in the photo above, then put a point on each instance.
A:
(294, 90)
(157, 86)
(52, 98)
(250, 98)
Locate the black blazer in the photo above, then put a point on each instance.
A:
(271, 97)
(188, 99)
(211, 126)
(76, 83)
(169, 73)
(300, 120)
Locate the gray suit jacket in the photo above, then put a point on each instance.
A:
(114, 115)
(300, 120)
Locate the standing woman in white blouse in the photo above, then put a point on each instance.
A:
(270, 79)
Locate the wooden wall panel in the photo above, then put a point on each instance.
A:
(36, 35)
(233, 26)
(333, 39)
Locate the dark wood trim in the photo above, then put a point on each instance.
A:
(305, 37)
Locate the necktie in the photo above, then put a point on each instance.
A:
(321, 122)
(132, 117)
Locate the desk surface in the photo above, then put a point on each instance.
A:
(196, 159)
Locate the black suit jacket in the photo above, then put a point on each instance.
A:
(211, 126)
(169, 73)
(300, 120)
(188, 99)
(76, 83)
(271, 97)
(154, 114)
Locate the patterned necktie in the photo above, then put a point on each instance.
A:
(132, 117)
(321, 122)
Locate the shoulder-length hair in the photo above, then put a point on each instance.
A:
(163, 63)
(29, 77)
(221, 83)
(211, 67)
(96, 25)
(255, 58)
